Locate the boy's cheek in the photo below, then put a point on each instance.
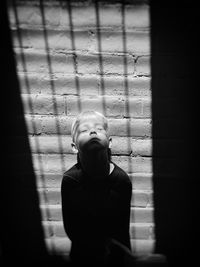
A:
(81, 141)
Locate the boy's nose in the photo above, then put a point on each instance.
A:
(93, 132)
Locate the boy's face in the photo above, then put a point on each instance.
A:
(91, 135)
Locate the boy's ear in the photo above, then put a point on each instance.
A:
(110, 142)
(74, 148)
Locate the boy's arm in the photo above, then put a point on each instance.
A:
(126, 194)
(78, 223)
(122, 206)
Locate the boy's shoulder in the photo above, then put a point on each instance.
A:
(119, 175)
(74, 173)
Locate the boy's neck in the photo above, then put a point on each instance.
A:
(96, 165)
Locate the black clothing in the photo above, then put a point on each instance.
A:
(94, 212)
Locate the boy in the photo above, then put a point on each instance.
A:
(96, 194)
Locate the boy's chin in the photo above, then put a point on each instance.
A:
(94, 146)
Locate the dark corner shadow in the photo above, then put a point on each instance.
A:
(21, 232)
(175, 104)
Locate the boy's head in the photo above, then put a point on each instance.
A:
(89, 131)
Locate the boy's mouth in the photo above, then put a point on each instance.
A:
(94, 138)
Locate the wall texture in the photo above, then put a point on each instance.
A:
(86, 56)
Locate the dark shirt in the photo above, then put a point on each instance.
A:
(95, 211)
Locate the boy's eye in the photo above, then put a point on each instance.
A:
(83, 130)
(99, 128)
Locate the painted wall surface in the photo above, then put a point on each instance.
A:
(86, 56)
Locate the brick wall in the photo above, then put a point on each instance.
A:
(66, 63)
